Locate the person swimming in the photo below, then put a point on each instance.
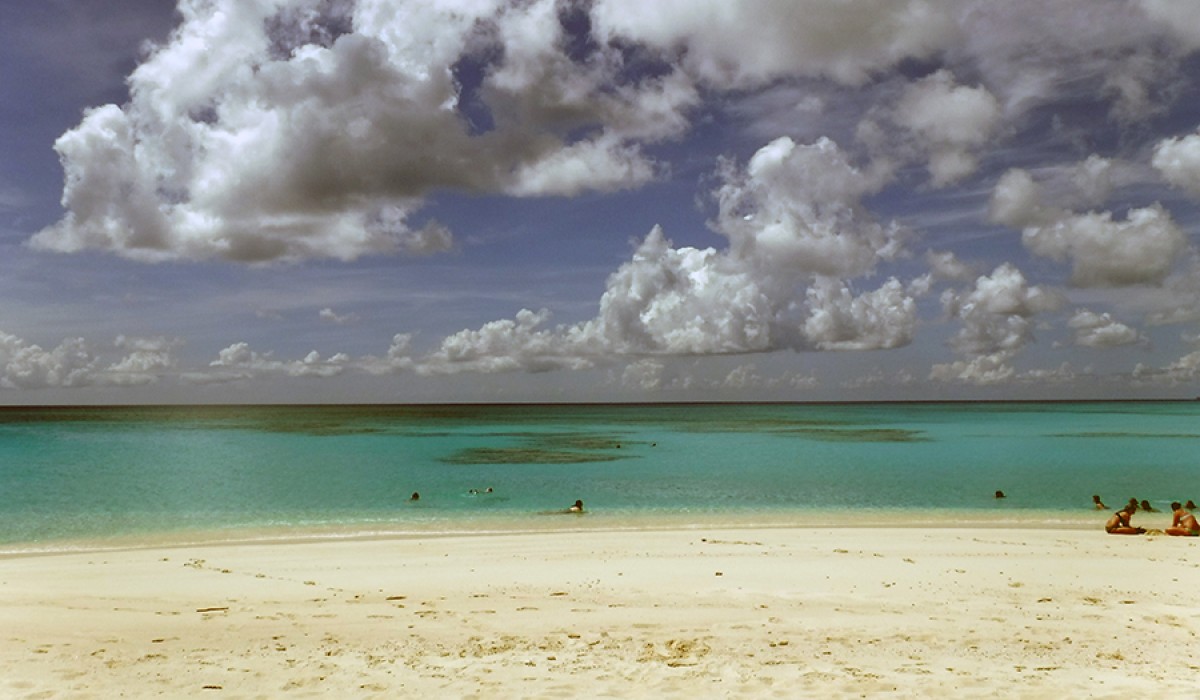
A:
(1148, 508)
(1119, 523)
(575, 508)
(1099, 504)
(1183, 523)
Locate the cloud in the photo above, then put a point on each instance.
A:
(796, 228)
(996, 319)
(331, 316)
(948, 123)
(882, 319)
(602, 164)
(1106, 253)
(1101, 330)
(147, 361)
(1031, 53)
(27, 366)
(1178, 159)
(510, 345)
(1019, 200)
(796, 209)
(983, 370)
(303, 129)
(946, 265)
(823, 38)
(646, 375)
(682, 302)
(72, 364)
(238, 361)
(1185, 370)
(1142, 249)
(1178, 300)
(294, 129)
(996, 313)
(1175, 18)
(398, 357)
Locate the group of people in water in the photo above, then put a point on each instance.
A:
(1183, 521)
(576, 507)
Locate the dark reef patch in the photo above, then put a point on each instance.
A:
(545, 448)
(856, 434)
(524, 455)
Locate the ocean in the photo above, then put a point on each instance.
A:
(83, 477)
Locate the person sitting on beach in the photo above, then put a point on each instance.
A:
(1148, 508)
(1183, 523)
(1099, 504)
(1132, 505)
(1119, 523)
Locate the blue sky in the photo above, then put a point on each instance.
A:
(605, 200)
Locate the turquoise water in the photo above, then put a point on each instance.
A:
(94, 474)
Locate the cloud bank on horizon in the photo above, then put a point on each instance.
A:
(292, 131)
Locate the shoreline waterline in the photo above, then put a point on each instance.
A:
(591, 522)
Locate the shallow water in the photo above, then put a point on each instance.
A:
(70, 475)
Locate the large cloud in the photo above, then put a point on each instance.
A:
(316, 128)
(1030, 53)
(1103, 252)
(290, 129)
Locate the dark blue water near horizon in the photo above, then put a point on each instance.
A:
(86, 474)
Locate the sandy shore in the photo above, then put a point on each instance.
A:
(724, 613)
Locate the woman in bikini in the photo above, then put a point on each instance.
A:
(1119, 524)
(1183, 523)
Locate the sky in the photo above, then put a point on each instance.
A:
(228, 201)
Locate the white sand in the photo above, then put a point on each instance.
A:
(725, 613)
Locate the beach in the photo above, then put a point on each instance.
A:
(696, 612)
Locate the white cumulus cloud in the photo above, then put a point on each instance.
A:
(1091, 329)
(1103, 252)
(996, 317)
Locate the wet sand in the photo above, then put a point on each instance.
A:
(756, 612)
